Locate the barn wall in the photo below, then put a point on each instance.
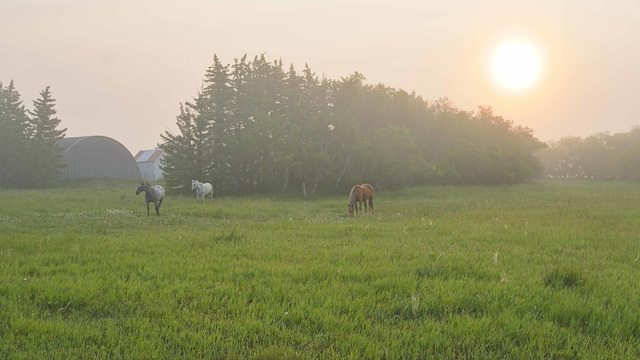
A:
(150, 171)
(149, 164)
(99, 156)
(158, 172)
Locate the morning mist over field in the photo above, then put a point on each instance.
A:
(498, 140)
(122, 68)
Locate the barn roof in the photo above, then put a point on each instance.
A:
(67, 142)
(148, 155)
(97, 156)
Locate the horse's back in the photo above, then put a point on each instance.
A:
(159, 190)
(206, 189)
(368, 190)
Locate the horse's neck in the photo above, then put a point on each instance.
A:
(352, 195)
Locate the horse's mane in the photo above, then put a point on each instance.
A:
(352, 196)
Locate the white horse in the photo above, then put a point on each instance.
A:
(202, 189)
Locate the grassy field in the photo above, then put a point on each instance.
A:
(540, 270)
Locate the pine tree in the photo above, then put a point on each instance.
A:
(186, 153)
(241, 146)
(217, 104)
(256, 127)
(44, 152)
(14, 135)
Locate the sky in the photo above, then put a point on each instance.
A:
(121, 68)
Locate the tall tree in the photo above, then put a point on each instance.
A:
(217, 109)
(14, 137)
(187, 156)
(348, 99)
(45, 155)
(257, 127)
(317, 129)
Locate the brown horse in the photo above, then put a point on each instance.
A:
(360, 194)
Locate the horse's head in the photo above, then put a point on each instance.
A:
(140, 188)
(351, 209)
(193, 184)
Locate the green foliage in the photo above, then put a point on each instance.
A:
(45, 160)
(14, 137)
(255, 127)
(29, 151)
(537, 270)
(600, 156)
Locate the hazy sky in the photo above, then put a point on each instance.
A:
(121, 68)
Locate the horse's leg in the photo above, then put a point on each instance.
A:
(147, 208)
(157, 207)
(371, 204)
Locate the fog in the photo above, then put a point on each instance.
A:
(121, 68)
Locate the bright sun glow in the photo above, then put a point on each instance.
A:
(516, 65)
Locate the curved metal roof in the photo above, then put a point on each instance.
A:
(97, 156)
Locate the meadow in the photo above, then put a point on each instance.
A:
(549, 269)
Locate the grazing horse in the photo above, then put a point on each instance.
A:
(360, 194)
(202, 189)
(153, 194)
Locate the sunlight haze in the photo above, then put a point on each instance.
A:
(121, 68)
(516, 65)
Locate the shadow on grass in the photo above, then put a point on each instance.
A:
(455, 272)
(564, 277)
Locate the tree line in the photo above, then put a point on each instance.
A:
(29, 151)
(601, 156)
(256, 126)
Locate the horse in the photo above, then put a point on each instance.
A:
(360, 194)
(202, 189)
(153, 194)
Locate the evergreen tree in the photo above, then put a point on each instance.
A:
(256, 127)
(243, 146)
(45, 154)
(201, 149)
(217, 108)
(186, 153)
(14, 137)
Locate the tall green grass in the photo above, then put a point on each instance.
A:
(540, 270)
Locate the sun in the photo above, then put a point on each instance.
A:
(516, 65)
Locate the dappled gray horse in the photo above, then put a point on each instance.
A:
(153, 194)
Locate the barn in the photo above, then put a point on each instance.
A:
(96, 157)
(149, 164)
